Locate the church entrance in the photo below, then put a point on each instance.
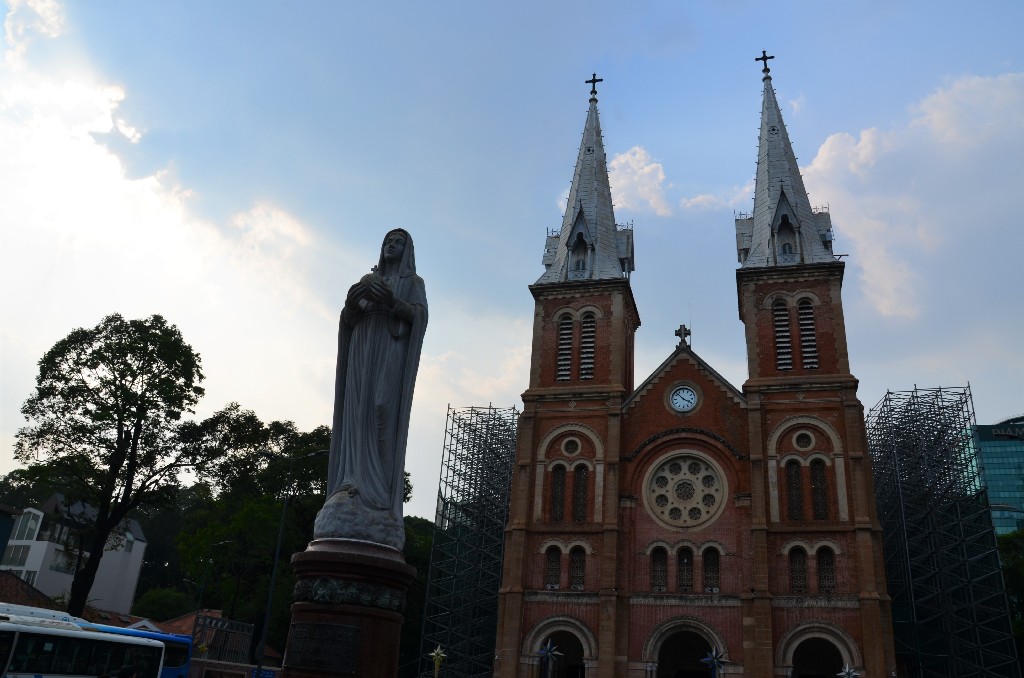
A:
(570, 663)
(816, 658)
(680, 656)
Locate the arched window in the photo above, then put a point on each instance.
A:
(783, 343)
(684, 570)
(808, 336)
(588, 325)
(659, 570)
(579, 493)
(564, 348)
(577, 568)
(798, 570)
(579, 253)
(819, 490)
(552, 567)
(794, 490)
(712, 580)
(558, 493)
(826, 571)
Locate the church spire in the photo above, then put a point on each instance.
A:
(589, 246)
(783, 229)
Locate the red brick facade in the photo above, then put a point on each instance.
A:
(640, 536)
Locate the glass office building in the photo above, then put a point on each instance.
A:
(1001, 452)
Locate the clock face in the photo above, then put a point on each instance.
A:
(683, 399)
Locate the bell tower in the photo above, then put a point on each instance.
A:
(813, 503)
(563, 526)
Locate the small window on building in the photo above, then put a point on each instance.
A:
(819, 490)
(808, 335)
(684, 570)
(29, 577)
(15, 556)
(552, 567)
(579, 493)
(798, 570)
(794, 490)
(564, 348)
(826, 571)
(129, 541)
(659, 570)
(588, 327)
(577, 568)
(558, 493)
(783, 342)
(712, 579)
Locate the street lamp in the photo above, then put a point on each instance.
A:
(277, 554)
(202, 585)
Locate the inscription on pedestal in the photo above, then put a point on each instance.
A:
(333, 647)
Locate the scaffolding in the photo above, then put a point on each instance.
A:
(950, 613)
(461, 611)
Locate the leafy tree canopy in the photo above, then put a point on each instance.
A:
(104, 422)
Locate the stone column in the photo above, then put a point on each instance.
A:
(348, 610)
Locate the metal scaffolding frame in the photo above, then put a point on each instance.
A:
(950, 613)
(461, 612)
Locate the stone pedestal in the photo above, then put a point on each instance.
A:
(348, 610)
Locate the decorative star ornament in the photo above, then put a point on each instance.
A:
(549, 651)
(438, 656)
(714, 660)
(848, 672)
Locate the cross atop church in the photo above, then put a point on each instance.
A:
(683, 332)
(593, 84)
(764, 57)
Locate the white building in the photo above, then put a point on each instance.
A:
(42, 552)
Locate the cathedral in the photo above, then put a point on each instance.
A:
(682, 524)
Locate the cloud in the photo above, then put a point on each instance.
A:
(637, 182)
(927, 193)
(739, 198)
(797, 105)
(25, 20)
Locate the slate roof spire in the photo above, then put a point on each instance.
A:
(783, 230)
(589, 246)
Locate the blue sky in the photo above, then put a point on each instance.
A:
(234, 165)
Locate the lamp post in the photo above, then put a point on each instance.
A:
(202, 584)
(277, 554)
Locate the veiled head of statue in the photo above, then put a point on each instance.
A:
(396, 252)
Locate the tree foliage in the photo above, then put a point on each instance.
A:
(104, 419)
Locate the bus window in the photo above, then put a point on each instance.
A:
(6, 643)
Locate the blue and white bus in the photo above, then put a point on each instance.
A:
(33, 647)
(177, 647)
(177, 652)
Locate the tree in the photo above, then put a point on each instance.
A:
(105, 416)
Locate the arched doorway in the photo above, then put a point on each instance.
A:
(816, 658)
(568, 664)
(680, 656)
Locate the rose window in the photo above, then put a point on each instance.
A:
(685, 490)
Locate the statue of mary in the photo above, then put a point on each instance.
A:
(379, 340)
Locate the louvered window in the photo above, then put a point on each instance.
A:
(712, 580)
(783, 343)
(798, 570)
(808, 336)
(552, 567)
(794, 490)
(577, 568)
(659, 570)
(558, 493)
(826, 571)
(564, 348)
(819, 490)
(684, 570)
(579, 493)
(587, 328)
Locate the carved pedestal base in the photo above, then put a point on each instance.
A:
(348, 610)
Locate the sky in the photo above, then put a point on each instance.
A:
(233, 166)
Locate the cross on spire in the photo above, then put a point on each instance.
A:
(593, 84)
(764, 57)
(683, 333)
